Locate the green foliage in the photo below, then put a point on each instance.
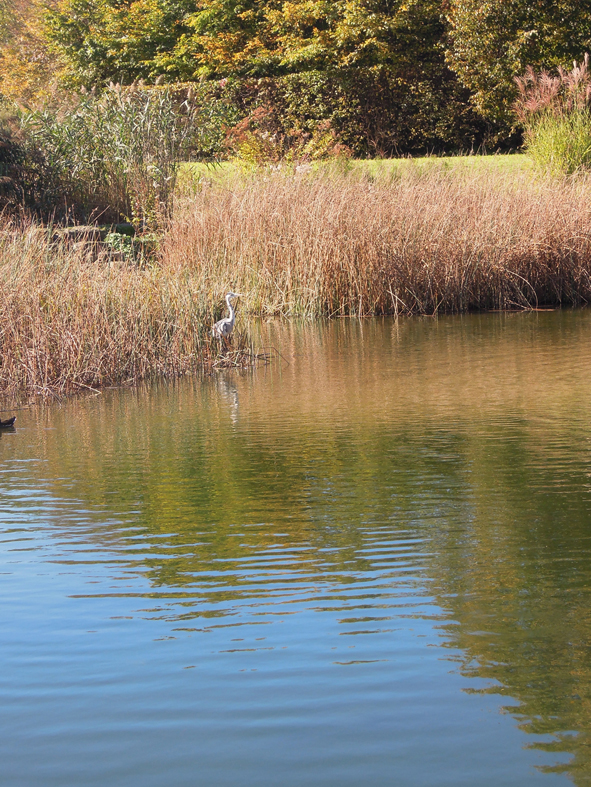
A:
(217, 107)
(561, 145)
(259, 139)
(370, 111)
(556, 114)
(99, 41)
(254, 38)
(389, 77)
(116, 155)
(25, 178)
(491, 42)
(374, 71)
(27, 67)
(136, 249)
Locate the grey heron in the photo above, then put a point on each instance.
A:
(224, 327)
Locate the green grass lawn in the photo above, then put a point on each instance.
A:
(497, 163)
(194, 173)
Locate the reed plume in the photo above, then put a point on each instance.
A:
(556, 114)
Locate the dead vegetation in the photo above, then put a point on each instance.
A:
(334, 245)
(301, 244)
(71, 320)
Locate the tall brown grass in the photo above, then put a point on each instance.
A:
(310, 244)
(69, 321)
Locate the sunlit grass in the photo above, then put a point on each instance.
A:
(225, 171)
(373, 238)
(346, 238)
(74, 317)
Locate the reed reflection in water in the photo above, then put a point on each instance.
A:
(337, 569)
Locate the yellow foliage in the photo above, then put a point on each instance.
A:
(27, 67)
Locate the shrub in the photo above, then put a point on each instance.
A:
(138, 250)
(113, 156)
(371, 111)
(24, 176)
(556, 114)
(260, 139)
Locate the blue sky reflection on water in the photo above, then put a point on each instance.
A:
(337, 571)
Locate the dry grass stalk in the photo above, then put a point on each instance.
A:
(238, 352)
(312, 245)
(568, 91)
(296, 245)
(71, 322)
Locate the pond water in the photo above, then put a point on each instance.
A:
(368, 563)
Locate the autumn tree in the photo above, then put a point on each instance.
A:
(192, 39)
(376, 68)
(27, 66)
(105, 40)
(490, 42)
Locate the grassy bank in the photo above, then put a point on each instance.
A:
(410, 238)
(345, 240)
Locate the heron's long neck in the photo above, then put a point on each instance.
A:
(231, 309)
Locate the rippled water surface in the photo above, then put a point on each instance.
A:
(366, 564)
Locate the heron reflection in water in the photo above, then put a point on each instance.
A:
(229, 393)
(224, 327)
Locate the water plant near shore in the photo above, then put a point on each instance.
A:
(333, 244)
(70, 320)
(327, 243)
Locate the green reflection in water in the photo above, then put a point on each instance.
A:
(466, 440)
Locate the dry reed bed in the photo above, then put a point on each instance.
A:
(68, 322)
(295, 245)
(313, 245)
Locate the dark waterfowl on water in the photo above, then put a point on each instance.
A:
(8, 422)
(224, 327)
